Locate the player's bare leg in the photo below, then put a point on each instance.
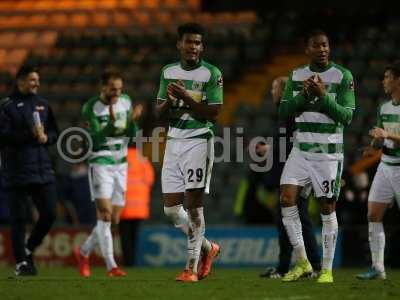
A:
(116, 214)
(292, 223)
(329, 237)
(376, 237)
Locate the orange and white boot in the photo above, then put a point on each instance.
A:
(83, 263)
(116, 272)
(207, 260)
(187, 276)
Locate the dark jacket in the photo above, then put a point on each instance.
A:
(282, 134)
(23, 160)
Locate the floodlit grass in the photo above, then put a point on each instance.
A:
(157, 283)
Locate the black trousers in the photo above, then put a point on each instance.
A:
(128, 231)
(44, 197)
(310, 242)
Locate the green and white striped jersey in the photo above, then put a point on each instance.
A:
(389, 119)
(319, 134)
(204, 84)
(109, 140)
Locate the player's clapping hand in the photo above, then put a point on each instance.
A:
(112, 112)
(137, 112)
(170, 93)
(378, 133)
(306, 87)
(177, 90)
(316, 86)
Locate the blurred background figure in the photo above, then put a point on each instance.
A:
(278, 85)
(4, 210)
(79, 208)
(256, 197)
(137, 205)
(28, 128)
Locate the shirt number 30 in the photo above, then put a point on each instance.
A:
(326, 185)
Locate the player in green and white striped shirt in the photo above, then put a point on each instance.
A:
(386, 185)
(110, 120)
(190, 94)
(321, 96)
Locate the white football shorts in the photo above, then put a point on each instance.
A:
(108, 182)
(324, 176)
(187, 165)
(386, 185)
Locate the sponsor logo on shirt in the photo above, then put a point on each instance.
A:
(197, 86)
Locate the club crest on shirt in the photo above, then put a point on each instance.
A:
(220, 81)
(351, 86)
(197, 85)
(103, 119)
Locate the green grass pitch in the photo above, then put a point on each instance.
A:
(158, 283)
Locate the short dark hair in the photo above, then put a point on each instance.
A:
(313, 33)
(394, 68)
(25, 70)
(109, 74)
(193, 28)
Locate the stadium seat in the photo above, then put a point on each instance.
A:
(121, 19)
(27, 39)
(100, 19)
(7, 39)
(38, 21)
